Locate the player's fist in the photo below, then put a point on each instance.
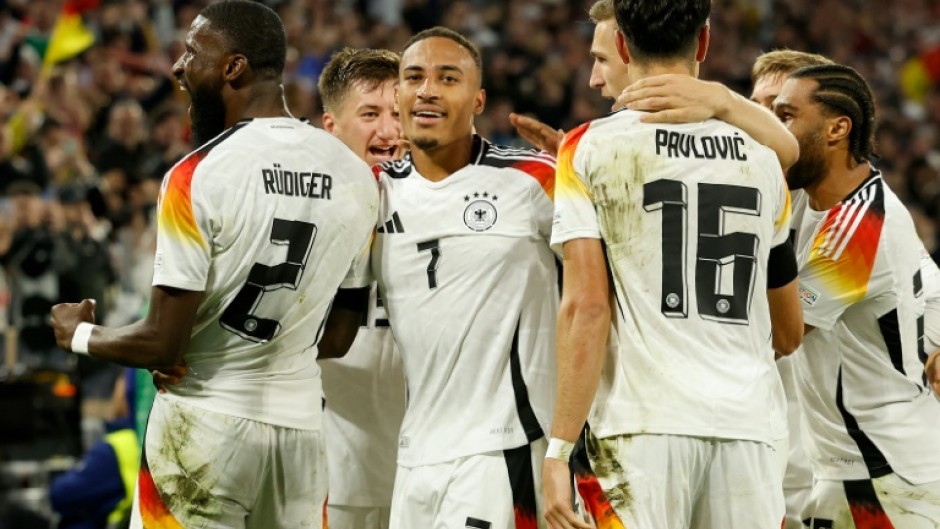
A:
(67, 316)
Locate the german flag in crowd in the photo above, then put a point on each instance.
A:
(70, 36)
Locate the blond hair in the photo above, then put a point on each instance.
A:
(601, 11)
(784, 62)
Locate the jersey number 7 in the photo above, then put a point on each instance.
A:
(239, 316)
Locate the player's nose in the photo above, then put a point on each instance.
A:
(597, 80)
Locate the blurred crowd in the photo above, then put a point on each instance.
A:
(85, 143)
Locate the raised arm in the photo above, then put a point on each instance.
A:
(675, 98)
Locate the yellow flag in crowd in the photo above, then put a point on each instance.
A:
(69, 36)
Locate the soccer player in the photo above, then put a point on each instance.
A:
(463, 263)
(257, 230)
(691, 219)
(365, 390)
(870, 413)
(769, 73)
(692, 100)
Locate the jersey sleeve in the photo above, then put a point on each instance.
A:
(930, 276)
(782, 211)
(839, 271)
(575, 216)
(360, 273)
(184, 226)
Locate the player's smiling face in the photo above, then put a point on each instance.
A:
(438, 93)
(367, 122)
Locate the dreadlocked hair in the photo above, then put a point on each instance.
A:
(843, 91)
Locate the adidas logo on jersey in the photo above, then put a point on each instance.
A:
(393, 225)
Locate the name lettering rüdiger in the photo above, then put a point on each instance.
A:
(280, 181)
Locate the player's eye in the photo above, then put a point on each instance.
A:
(371, 115)
(412, 77)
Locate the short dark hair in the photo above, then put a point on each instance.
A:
(350, 66)
(253, 30)
(658, 30)
(447, 33)
(842, 91)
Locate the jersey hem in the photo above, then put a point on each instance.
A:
(178, 282)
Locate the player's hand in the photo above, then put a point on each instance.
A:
(537, 133)
(168, 376)
(932, 368)
(675, 98)
(556, 492)
(67, 316)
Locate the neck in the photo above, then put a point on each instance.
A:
(442, 161)
(680, 66)
(843, 175)
(260, 100)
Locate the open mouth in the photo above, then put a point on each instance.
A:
(382, 153)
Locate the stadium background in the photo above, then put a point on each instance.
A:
(84, 144)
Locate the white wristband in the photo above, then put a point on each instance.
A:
(81, 337)
(559, 449)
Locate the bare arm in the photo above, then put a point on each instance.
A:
(157, 341)
(583, 325)
(675, 98)
(343, 321)
(786, 317)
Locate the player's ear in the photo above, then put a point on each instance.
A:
(704, 37)
(838, 129)
(622, 49)
(328, 122)
(236, 65)
(479, 102)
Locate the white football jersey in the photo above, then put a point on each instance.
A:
(688, 215)
(365, 403)
(861, 373)
(470, 285)
(268, 219)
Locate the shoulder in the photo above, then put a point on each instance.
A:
(536, 164)
(853, 227)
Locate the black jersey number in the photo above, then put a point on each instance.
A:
(716, 299)
(435, 248)
(239, 316)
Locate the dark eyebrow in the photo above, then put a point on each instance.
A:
(449, 68)
(783, 106)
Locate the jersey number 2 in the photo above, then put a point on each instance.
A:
(717, 300)
(239, 316)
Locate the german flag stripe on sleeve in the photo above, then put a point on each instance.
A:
(176, 217)
(568, 183)
(844, 249)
